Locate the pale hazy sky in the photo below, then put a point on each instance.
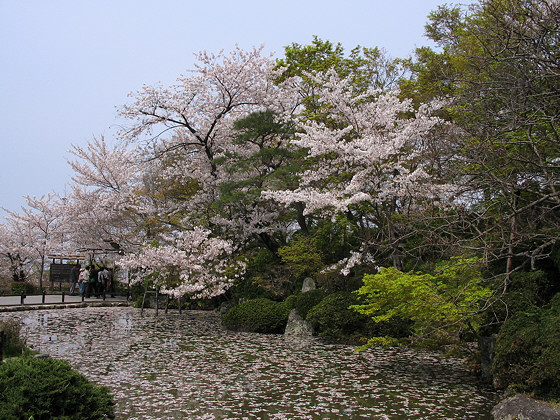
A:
(65, 65)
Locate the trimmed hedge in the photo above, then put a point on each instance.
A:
(332, 317)
(22, 287)
(32, 388)
(304, 302)
(528, 351)
(258, 315)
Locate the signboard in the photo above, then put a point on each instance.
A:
(60, 272)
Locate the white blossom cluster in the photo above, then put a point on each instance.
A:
(191, 263)
(372, 158)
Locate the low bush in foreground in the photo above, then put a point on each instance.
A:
(258, 315)
(32, 388)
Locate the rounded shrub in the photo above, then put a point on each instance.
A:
(331, 317)
(22, 288)
(290, 302)
(258, 315)
(527, 356)
(305, 301)
(32, 388)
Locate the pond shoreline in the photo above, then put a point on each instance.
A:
(55, 306)
(188, 366)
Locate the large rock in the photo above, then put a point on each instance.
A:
(308, 284)
(297, 326)
(521, 407)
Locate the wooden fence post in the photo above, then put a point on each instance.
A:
(144, 298)
(157, 302)
(1, 345)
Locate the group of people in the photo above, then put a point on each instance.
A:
(91, 280)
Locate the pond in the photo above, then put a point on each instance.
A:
(186, 366)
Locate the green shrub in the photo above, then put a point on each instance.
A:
(14, 345)
(261, 261)
(443, 306)
(138, 302)
(331, 317)
(32, 388)
(22, 287)
(305, 301)
(258, 315)
(137, 290)
(290, 302)
(302, 256)
(527, 356)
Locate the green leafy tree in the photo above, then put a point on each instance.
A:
(527, 357)
(498, 62)
(263, 158)
(302, 256)
(442, 305)
(366, 67)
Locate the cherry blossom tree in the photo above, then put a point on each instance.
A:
(199, 109)
(38, 228)
(194, 118)
(102, 212)
(366, 162)
(15, 254)
(186, 135)
(186, 263)
(220, 154)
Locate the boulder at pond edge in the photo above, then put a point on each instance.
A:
(521, 407)
(297, 326)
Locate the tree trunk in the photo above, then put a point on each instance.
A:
(301, 218)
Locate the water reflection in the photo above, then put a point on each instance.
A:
(186, 365)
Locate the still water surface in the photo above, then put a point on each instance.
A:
(186, 366)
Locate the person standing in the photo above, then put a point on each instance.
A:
(93, 289)
(109, 286)
(74, 276)
(85, 281)
(102, 280)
